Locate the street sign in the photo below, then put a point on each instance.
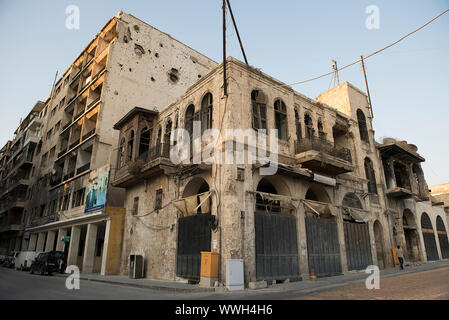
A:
(65, 239)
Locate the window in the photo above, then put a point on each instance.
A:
(135, 210)
(158, 202)
(310, 131)
(167, 134)
(58, 89)
(188, 123)
(259, 109)
(362, 126)
(145, 139)
(49, 133)
(130, 145)
(52, 152)
(280, 117)
(53, 112)
(298, 125)
(42, 210)
(370, 176)
(122, 153)
(61, 103)
(44, 160)
(78, 198)
(57, 126)
(65, 203)
(206, 113)
(321, 133)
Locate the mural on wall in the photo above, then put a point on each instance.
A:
(96, 191)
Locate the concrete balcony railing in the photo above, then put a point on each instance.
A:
(323, 156)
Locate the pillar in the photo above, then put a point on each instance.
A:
(49, 245)
(105, 247)
(73, 246)
(59, 243)
(302, 244)
(33, 241)
(342, 243)
(40, 242)
(89, 248)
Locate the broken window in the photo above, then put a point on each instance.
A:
(321, 133)
(158, 202)
(361, 119)
(122, 153)
(259, 108)
(173, 75)
(310, 131)
(402, 175)
(167, 135)
(145, 139)
(206, 112)
(130, 145)
(370, 176)
(298, 125)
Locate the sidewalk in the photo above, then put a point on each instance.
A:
(302, 287)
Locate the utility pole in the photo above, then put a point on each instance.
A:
(334, 66)
(367, 89)
(237, 32)
(225, 85)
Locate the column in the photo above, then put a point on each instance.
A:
(33, 242)
(89, 248)
(104, 259)
(73, 246)
(40, 242)
(342, 243)
(49, 245)
(59, 243)
(302, 244)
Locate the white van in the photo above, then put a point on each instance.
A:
(24, 259)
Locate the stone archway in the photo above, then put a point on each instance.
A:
(379, 240)
(276, 243)
(428, 234)
(411, 237)
(442, 238)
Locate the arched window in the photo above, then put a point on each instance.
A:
(121, 160)
(206, 112)
(321, 133)
(362, 126)
(188, 124)
(370, 175)
(259, 109)
(168, 129)
(310, 132)
(130, 146)
(298, 125)
(145, 138)
(352, 201)
(280, 117)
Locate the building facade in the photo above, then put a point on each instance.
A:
(104, 175)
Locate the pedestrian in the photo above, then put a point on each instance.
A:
(400, 255)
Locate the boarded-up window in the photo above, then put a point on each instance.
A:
(370, 175)
(362, 126)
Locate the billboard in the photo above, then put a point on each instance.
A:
(96, 192)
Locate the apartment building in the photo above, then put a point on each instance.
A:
(128, 63)
(329, 208)
(16, 161)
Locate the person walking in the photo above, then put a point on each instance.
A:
(400, 255)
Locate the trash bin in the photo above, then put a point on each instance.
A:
(136, 266)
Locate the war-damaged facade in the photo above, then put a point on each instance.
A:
(128, 63)
(328, 210)
(337, 202)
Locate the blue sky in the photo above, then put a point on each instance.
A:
(289, 40)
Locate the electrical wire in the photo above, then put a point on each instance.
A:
(370, 55)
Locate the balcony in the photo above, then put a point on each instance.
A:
(67, 125)
(322, 156)
(83, 169)
(399, 193)
(89, 134)
(74, 144)
(63, 151)
(69, 176)
(150, 163)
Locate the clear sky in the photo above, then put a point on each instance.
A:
(291, 40)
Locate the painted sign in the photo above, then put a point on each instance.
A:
(65, 239)
(96, 192)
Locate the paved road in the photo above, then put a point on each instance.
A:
(426, 282)
(425, 285)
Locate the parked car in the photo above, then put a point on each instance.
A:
(48, 262)
(3, 258)
(10, 260)
(24, 259)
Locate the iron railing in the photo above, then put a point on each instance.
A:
(161, 150)
(324, 146)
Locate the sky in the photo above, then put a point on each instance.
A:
(290, 40)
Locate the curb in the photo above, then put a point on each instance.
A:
(145, 286)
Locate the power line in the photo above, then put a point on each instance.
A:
(371, 54)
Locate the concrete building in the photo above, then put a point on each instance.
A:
(129, 63)
(338, 200)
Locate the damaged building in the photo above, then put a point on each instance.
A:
(104, 178)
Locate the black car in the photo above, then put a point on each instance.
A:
(48, 262)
